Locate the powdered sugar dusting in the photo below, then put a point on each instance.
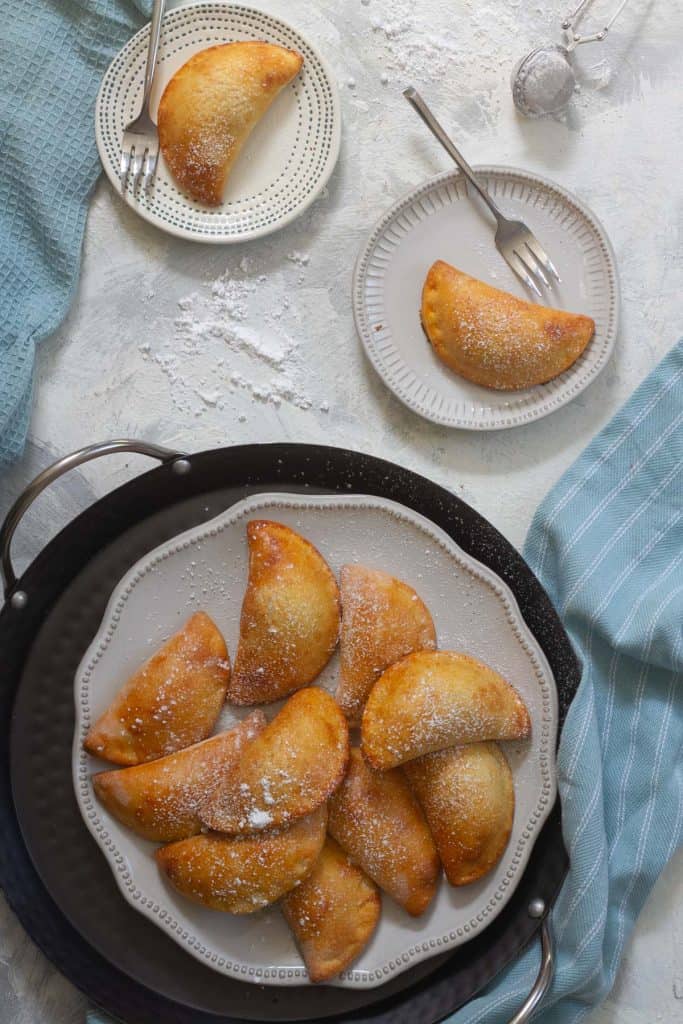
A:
(258, 818)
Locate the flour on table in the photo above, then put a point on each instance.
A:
(426, 49)
(223, 343)
(410, 47)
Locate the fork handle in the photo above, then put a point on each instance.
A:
(153, 49)
(418, 104)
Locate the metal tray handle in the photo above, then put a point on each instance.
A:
(52, 473)
(537, 908)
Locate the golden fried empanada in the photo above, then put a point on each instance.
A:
(290, 616)
(210, 107)
(468, 797)
(495, 339)
(383, 619)
(332, 914)
(376, 819)
(287, 771)
(244, 874)
(435, 699)
(160, 799)
(172, 701)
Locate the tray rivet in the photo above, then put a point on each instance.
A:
(19, 599)
(181, 466)
(536, 908)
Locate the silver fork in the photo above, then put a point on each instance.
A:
(140, 144)
(514, 241)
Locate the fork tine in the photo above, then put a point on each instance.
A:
(542, 256)
(531, 265)
(520, 269)
(150, 169)
(537, 265)
(136, 167)
(124, 168)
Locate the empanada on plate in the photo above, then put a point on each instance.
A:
(172, 701)
(435, 699)
(468, 797)
(332, 914)
(245, 874)
(383, 619)
(376, 819)
(287, 771)
(495, 339)
(160, 799)
(290, 616)
(210, 106)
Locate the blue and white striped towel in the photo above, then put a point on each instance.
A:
(607, 544)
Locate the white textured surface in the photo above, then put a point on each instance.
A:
(280, 320)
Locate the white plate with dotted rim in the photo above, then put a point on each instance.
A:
(284, 164)
(206, 567)
(439, 221)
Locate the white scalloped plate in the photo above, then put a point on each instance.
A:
(439, 221)
(285, 162)
(206, 568)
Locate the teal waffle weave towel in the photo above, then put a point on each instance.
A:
(53, 54)
(607, 544)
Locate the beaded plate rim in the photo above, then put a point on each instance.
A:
(117, 858)
(221, 227)
(545, 398)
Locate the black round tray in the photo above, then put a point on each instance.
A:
(54, 876)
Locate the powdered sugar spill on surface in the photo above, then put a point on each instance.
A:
(427, 50)
(220, 346)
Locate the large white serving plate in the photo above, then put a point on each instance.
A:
(441, 220)
(206, 568)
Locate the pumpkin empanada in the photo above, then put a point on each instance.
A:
(468, 798)
(287, 771)
(244, 874)
(290, 616)
(383, 619)
(160, 799)
(332, 914)
(495, 339)
(210, 106)
(172, 701)
(435, 699)
(376, 819)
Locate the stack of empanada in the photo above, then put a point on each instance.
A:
(430, 713)
(284, 810)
